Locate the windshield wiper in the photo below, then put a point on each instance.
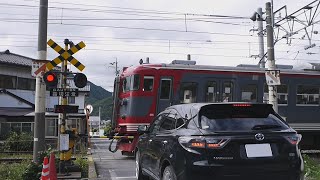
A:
(265, 126)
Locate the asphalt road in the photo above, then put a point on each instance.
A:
(111, 166)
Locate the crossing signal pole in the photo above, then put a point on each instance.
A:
(80, 81)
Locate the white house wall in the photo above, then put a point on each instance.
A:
(9, 101)
(24, 72)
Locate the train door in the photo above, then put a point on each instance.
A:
(164, 93)
(220, 90)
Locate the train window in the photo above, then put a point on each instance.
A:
(126, 84)
(211, 94)
(135, 82)
(165, 89)
(148, 83)
(249, 93)
(282, 91)
(227, 92)
(307, 94)
(188, 92)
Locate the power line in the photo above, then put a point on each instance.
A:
(135, 28)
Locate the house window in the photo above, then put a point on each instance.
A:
(71, 100)
(249, 93)
(148, 83)
(26, 127)
(8, 82)
(188, 92)
(52, 127)
(307, 94)
(26, 84)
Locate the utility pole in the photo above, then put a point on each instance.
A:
(260, 35)
(273, 97)
(40, 94)
(116, 66)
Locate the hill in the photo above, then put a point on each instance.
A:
(100, 97)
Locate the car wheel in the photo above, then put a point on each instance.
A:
(168, 174)
(139, 175)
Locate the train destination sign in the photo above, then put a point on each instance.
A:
(70, 92)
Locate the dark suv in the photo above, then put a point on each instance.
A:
(237, 141)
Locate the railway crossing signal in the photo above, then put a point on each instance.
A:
(80, 80)
(50, 79)
(65, 55)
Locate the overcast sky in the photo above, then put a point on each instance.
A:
(163, 30)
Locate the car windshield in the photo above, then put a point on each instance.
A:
(233, 118)
(242, 124)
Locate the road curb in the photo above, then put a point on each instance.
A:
(92, 173)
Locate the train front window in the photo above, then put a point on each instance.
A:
(135, 82)
(131, 83)
(307, 94)
(148, 83)
(126, 84)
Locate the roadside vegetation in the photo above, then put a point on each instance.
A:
(311, 168)
(18, 147)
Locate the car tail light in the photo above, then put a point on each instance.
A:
(294, 139)
(216, 143)
(241, 105)
(195, 143)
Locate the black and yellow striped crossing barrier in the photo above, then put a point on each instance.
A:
(65, 55)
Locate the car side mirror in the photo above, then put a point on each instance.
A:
(142, 129)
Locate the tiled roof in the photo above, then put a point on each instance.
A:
(11, 58)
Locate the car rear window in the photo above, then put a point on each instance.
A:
(239, 118)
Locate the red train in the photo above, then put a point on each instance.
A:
(142, 91)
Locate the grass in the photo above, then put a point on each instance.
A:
(311, 168)
(24, 156)
(13, 171)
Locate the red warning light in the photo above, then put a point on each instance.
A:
(50, 78)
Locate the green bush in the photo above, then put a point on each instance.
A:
(32, 171)
(13, 171)
(19, 142)
(107, 129)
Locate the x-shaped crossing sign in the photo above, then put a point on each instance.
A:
(65, 55)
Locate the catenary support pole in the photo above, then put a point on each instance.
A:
(271, 58)
(40, 94)
(260, 36)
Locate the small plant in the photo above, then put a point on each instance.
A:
(83, 164)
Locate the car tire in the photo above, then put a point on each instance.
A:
(168, 174)
(139, 175)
